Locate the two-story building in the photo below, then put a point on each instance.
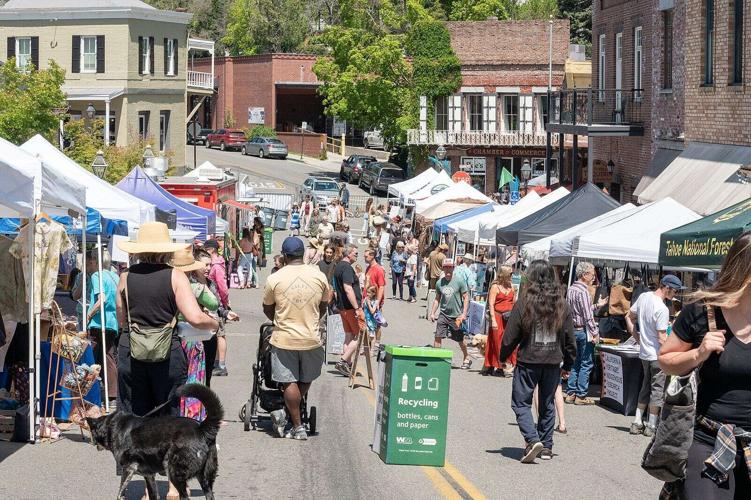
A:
(124, 61)
(497, 118)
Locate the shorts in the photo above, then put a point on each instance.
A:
(653, 384)
(446, 328)
(431, 283)
(352, 324)
(289, 366)
(221, 332)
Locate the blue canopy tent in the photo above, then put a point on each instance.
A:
(442, 225)
(95, 224)
(195, 218)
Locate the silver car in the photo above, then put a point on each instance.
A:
(264, 146)
(321, 190)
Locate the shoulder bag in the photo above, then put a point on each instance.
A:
(150, 345)
(666, 455)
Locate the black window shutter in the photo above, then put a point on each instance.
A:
(76, 56)
(166, 57)
(177, 51)
(11, 47)
(140, 55)
(35, 51)
(151, 52)
(100, 54)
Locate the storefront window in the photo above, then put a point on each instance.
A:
(511, 112)
(475, 167)
(442, 113)
(475, 112)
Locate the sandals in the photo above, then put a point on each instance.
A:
(466, 365)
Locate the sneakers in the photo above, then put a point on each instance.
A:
(343, 367)
(579, 401)
(279, 421)
(636, 428)
(298, 433)
(546, 454)
(219, 371)
(649, 431)
(531, 452)
(569, 399)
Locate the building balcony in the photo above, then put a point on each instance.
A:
(200, 80)
(597, 112)
(476, 138)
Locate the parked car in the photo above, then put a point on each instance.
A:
(372, 139)
(265, 146)
(226, 139)
(378, 176)
(352, 167)
(320, 189)
(201, 137)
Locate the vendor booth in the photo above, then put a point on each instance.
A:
(459, 191)
(437, 184)
(451, 208)
(405, 188)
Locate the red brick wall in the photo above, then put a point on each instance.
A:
(720, 113)
(313, 143)
(668, 104)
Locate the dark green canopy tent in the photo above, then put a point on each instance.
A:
(705, 243)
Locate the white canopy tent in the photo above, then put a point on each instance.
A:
(111, 202)
(458, 191)
(466, 230)
(635, 238)
(30, 188)
(439, 182)
(543, 248)
(411, 185)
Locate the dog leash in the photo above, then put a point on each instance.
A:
(170, 400)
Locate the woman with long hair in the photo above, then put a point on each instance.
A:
(501, 299)
(245, 259)
(723, 358)
(258, 249)
(366, 216)
(541, 327)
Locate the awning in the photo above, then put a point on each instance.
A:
(662, 158)
(93, 93)
(704, 178)
(241, 206)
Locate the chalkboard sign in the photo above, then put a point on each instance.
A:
(334, 334)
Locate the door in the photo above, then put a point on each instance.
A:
(618, 77)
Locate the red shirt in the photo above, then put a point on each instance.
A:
(375, 276)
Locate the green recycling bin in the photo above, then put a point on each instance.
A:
(412, 408)
(268, 236)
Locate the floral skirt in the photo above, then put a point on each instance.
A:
(191, 407)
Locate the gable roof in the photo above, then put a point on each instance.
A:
(508, 42)
(23, 10)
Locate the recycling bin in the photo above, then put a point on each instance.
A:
(281, 218)
(412, 405)
(268, 236)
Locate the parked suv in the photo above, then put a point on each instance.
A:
(352, 167)
(226, 139)
(320, 189)
(265, 146)
(379, 176)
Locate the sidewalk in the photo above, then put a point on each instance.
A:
(333, 162)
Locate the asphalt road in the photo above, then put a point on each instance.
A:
(596, 459)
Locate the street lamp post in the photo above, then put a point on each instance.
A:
(526, 174)
(90, 111)
(99, 165)
(148, 156)
(440, 153)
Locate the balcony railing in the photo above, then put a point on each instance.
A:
(597, 107)
(477, 138)
(198, 79)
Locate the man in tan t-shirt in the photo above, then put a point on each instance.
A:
(295, 298)
(435, 265)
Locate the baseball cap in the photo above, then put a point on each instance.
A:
(672, 281)
(293, 246)
(211, 244)
(448, 263)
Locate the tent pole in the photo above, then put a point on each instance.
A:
(33, 356)
(84, 309)
(571, 271)
(102, 324)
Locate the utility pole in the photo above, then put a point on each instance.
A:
(548, 138)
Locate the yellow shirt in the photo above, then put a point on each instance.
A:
(297, 291)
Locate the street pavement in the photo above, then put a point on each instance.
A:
(596, 459)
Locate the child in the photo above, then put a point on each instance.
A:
(370, 309)
(278, 263)
(294, 220)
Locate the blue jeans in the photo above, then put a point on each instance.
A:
(578, 380)
(526, 378)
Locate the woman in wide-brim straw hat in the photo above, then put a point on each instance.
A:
(150, 296)
(314, 253)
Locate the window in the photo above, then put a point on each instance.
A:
(511, 113)
(601, 70)
(475, 112)
(88, 54)
(708, 42)
(163, 130)
(442, 113)
(525, 114)
(667, 49)
(144, 61)
(736, 75)
(542, 112)
(23, 52)
(143, 124)
(170, 56)
(637, 62)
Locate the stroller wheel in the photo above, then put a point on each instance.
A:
(246, 411)
(312, 420)
(241, 413)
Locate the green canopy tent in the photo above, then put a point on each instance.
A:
(705, 242)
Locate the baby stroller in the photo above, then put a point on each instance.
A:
(266, 393)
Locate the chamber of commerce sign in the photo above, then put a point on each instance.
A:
(506, 151)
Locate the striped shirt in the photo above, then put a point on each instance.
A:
(582, 309)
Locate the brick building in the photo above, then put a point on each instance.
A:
(497, 118)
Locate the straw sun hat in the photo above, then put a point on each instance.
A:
(183, 260)
(153, 237)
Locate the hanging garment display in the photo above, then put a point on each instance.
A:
(12, 296)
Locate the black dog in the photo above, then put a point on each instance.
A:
(179, 447)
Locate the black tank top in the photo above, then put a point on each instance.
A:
(152, 300)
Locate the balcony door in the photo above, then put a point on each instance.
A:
(618, 76)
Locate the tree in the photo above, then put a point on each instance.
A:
(579, 14)
(262, 26)
(29, 100)
(478, 10)
(536, 9)
(209, 16)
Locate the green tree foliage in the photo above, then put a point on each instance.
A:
(28, 100)
(259, 131)
(579, 13)
(209, 16)
(536, 9)
(261, 26)
(478, 10)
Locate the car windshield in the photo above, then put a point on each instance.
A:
(392, 174)
(274, 141)
(326, 186)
